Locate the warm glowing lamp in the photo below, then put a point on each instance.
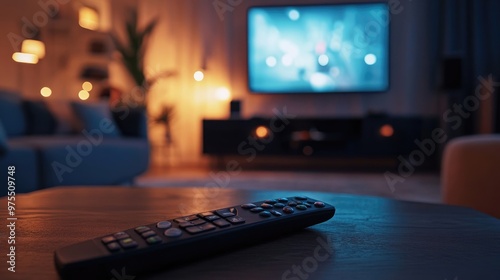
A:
(88, 18)
(87, 86)
(199, 76)
(25, 58)
(262, 132)
(34, 47)
(46, 92)
(386, 130)
(84, 95)
(223, 94)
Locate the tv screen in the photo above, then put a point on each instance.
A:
(318, 48)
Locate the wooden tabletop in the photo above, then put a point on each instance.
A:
(368, 238)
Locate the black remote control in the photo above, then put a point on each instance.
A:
(159, 245)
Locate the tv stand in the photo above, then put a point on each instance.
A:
(374, 136)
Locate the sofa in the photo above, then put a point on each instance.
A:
(469, 173)
(63, 143)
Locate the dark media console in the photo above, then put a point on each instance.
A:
(369, 137)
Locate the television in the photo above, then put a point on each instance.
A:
(326, 48)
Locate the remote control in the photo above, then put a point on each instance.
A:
(155, 246)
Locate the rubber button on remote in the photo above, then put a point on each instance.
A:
(257, 209)
(266, 206)
(113, 247)
(301, 197)
(173, 232)
(142, 229)
(265, 214)
(283, 200)
(108, 239)
(276, 213)
(153, 240)
(319, 204)
(271, 201)
(301, 207)
(212, 217)
(221, 223)
(288, 210)
(292, 203)
(128, 243)
(226, 212)
(236, 220)
(198, 229)
(148, 234)
(121, 235)
(248, 206)
(279, 205)
(164, 225)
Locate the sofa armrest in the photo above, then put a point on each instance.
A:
(132, 122)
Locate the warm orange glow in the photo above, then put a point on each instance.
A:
(87, 86)
(223, 94)
(25, 58)
(46, 92)
(386, 130)
(84, 95)
(199, 76)
(34, 47)
(262, 132)
(88, 18)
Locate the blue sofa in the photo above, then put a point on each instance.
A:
(107, 149)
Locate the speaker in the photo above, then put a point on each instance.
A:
(235, 109)
(451, 73)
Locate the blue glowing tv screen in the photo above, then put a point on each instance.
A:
(318, 48)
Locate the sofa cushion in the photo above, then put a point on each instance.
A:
(3, 140)
(67, 121)
(25, 159)
(39, 119)
(96, 117)
(12, 113)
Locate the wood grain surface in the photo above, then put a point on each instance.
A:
(368, 238)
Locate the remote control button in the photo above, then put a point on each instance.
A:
(308, 205)
(283, 200)
(153, 239)
(198, 222)
(108, 239)
(198, 229)
(266, 206)
(186, 219)
(292, 203)
(276, 213)
(164, 225)
(148, 234)
(265, 214)
(288, 210)
(212, 218)
(142, 229)
(186, 224)
(205, 214)
(121, 235)
(113, 246)
(319, 204)
(221, 223)
(271, 201)
(236, 220)
(227, 212)
(301, 197)
(301, 207)
(257, 209)
(248, 206)
(128, 243)
(173, 232)
(279, 205)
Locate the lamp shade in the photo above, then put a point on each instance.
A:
(28, 58)
(34, 47)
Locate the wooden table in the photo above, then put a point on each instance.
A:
(370, 238)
